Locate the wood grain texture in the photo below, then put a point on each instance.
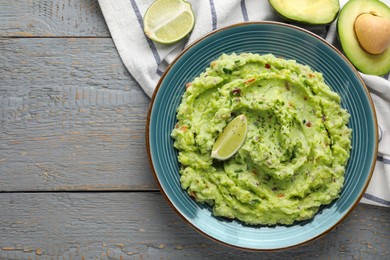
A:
(51, 18)
(71, 117)
(143, 226)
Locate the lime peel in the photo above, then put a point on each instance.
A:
(231, 138)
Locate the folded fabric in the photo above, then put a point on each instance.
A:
(147, 60)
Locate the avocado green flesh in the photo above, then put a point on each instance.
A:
(375, 64)
(296, 147)
(307, 11)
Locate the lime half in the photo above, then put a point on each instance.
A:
(231, 139)
(168, 21)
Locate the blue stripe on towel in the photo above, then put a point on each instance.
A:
(376, 199)
(159, 72)
(244, 11)
(213, 14)
(150, 42)
(384, 160)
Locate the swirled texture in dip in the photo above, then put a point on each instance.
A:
(296, 149)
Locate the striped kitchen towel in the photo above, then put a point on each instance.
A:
(146, 60)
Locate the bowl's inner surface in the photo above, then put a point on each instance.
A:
(290, 43)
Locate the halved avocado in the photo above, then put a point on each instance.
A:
(363, 60)
(307, 11)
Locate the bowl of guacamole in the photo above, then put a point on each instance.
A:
(308, 152)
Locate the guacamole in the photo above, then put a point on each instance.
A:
(297, 144)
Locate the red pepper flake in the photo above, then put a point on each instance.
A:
(193, 194)
(311, 75)
(183, 128)
(305, 98)
(308, 124)
(280, 195)
(189, 84)
(267, 66)
(249, 80)
(177, 125)
(236, 91)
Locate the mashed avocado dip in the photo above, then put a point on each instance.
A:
(296, 148)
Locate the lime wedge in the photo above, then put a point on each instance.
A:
(168, 21)
(231, 139)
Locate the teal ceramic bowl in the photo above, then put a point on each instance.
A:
(284, 41)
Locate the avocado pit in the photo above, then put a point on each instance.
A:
(372, 32)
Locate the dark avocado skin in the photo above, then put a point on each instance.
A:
(306, 23)
(288, 19)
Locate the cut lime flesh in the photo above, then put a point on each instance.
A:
(168, 21)
(231, 139)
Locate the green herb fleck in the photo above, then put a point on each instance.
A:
(227, 71)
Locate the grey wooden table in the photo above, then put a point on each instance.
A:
(74, 177)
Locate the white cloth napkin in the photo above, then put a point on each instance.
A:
(147, 60)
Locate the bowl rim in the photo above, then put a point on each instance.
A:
(147, 139)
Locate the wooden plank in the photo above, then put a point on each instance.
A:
(142, 226)
(71, 117)
(52, 18)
